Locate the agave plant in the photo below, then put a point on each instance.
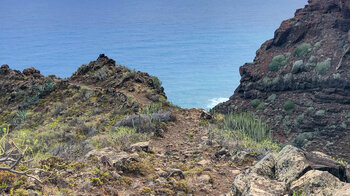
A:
(249, 124)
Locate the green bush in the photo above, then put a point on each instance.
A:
(267, 81)
(297, 66)
(156, 82)
(154, 107)
(299, 120)
(336, 76)
(49, 85)
(323, 66)
(249, 124)
(277, 62)
(255, 103)
(276, 80)
(303, 137)
(318, 44)
(289, 106)
(302, 50)
(272, 98)
(261, 106)
(287, 79)
(320, 113)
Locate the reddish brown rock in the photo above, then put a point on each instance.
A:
(312, 69)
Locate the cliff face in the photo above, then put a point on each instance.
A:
(299, 81)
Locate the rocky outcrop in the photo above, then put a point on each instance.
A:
(293, 171)
(299, 81)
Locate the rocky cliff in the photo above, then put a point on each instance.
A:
(299, 82)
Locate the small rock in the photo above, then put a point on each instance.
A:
(203, 162)
(141, 146)
(235, 172)
(205, 179)
(86, 187)
(161, 180)
(33, 193)
(177, 173)
(206, 115)
(161, 173)
(221, 153)
(31, 71)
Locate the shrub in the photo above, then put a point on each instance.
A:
(289, 106)
(255, 103)
(320, 113)
(348, 115)
(20, 117)
(145, 123)
(313, 59)
(277, 62)
(276, 80)
(124, 136)
(323, 66)
(153, 108)
(297, 67)
(236, 139)
(299, 119)
(156, 82)
(318, 44)
(287, 79)
(298, 193)
(101, 74)
(261, 106)
(249, 124)
(142, 167)
(49, 86)
(267, 81)
(302, 50)
(272, 98)
(303, 137)
(336, 76)
(146, 191)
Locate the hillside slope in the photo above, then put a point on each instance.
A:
(108, 130)
(299, 82)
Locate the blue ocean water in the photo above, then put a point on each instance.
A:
(194, 46)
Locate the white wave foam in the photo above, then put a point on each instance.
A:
(216, 101)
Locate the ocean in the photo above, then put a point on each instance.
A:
(195, 47)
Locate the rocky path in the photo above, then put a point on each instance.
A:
(185, 148)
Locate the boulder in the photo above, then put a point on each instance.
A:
(32, 72)
(343, 191)
(290, 164)
(109, 157)
(257, 180)
(291, 171)
(316, 182)
(293, 162)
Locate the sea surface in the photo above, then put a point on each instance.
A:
(195, 47)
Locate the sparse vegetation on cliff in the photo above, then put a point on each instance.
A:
(277, 62)
(302, 50)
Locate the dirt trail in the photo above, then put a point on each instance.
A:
(184, 144)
